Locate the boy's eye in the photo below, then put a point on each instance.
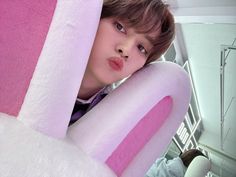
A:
(142, 49)
(119, 27)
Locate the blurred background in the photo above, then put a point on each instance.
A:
(205, 45)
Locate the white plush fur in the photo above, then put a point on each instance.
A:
(27, 153)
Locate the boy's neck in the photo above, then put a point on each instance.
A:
(88, 88)
(86, 93)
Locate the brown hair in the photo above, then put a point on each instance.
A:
(189, 155)
(146, 16)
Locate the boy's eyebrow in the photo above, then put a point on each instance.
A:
(150, 39)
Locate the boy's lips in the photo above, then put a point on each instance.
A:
(116, 63)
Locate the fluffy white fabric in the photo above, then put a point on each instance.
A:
(28, 153)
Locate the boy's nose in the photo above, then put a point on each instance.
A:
(124, 49)
(123, 54)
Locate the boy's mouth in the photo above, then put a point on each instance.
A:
(116, 63)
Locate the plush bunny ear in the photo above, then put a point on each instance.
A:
(46, 45)
(54, 86)
(134, 124)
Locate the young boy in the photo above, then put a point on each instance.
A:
(131, 34)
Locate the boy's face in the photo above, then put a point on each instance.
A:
(118, 51)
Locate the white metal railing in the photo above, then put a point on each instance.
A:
(223, 58)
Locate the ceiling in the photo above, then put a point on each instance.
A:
(202, 27)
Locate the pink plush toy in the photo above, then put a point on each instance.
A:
(45, 49)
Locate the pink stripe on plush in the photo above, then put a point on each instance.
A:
(139, 136)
